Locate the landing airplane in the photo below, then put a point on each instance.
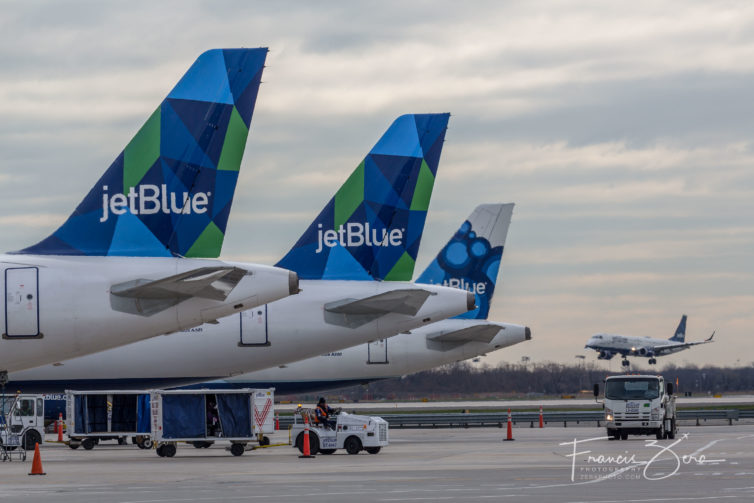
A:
(115, 272)
(609, 345)
(370, 230)
(470, 260)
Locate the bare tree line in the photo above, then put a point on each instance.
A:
(464, 380)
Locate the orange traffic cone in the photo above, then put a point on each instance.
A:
(36, 464)
(60, 427)
(510, 428)
(307, 452)
(541, 419)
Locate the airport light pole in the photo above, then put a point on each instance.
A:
(583, 363)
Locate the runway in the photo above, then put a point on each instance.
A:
(702, 464)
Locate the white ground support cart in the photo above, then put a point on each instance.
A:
(352, 432)
(21, 420)
(205, 416)
(93, 416)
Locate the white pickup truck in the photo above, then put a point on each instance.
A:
(639, 405)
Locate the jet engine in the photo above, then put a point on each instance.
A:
(645, 352)
(605, 355)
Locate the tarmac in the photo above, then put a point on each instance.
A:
(701, 464)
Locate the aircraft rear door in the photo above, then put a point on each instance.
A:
(377, 352)
(254, 327)
(21, 303)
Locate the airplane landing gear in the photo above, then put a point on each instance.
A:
(652, 361)
(625, 363)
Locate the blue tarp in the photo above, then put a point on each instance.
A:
(235, 414)
(79, 405)
(183, 416)
(142, 414)
(123, 418)
(96, 414)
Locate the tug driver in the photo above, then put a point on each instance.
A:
(322, 414)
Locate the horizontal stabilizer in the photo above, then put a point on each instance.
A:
(406, 302)
(147, 297)
(353, 313)
(476, 333)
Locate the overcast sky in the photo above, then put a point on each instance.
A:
(622, 131)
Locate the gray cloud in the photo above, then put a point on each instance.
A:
(622, 132)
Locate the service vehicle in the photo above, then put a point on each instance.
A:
(202, 417)
(352, 432)
(22, 420)
(639, 405)
(94, 416)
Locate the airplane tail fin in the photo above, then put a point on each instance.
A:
(372, 228)
(169, 192)
(680, 332)
(471, 259)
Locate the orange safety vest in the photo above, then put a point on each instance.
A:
(323, 411)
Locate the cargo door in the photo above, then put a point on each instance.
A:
(254, 327)
(377, 352)
(21, 304)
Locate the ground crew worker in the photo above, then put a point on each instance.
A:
(323, 412)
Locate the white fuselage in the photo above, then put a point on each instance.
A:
(633, 346)
(60, 307)
(288, 330)
(394, 357)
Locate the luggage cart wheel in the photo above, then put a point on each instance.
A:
(168, 450)
(237, 449)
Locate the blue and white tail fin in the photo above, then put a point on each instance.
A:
(471, 259)
(170, 191)
(680, 332)
(372, 228)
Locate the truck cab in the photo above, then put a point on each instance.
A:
(23, 417)
(638, 405)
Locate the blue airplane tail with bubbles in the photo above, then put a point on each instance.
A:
(169, 192)
(373, 226)
(471, 259)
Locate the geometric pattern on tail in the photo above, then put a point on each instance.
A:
(169, 192)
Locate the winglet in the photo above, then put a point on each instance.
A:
(710, 337)
(372, 228)
(169, 192)
(471, 259)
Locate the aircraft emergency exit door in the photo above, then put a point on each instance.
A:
(21, 303)
(377, 351)
(254, 327)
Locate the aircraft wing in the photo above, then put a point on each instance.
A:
(660, 350)
(477, 333)
(356, 312)
(147, 297)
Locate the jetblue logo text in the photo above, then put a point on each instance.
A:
(478, 288)
(152, 199)
(357, 234)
